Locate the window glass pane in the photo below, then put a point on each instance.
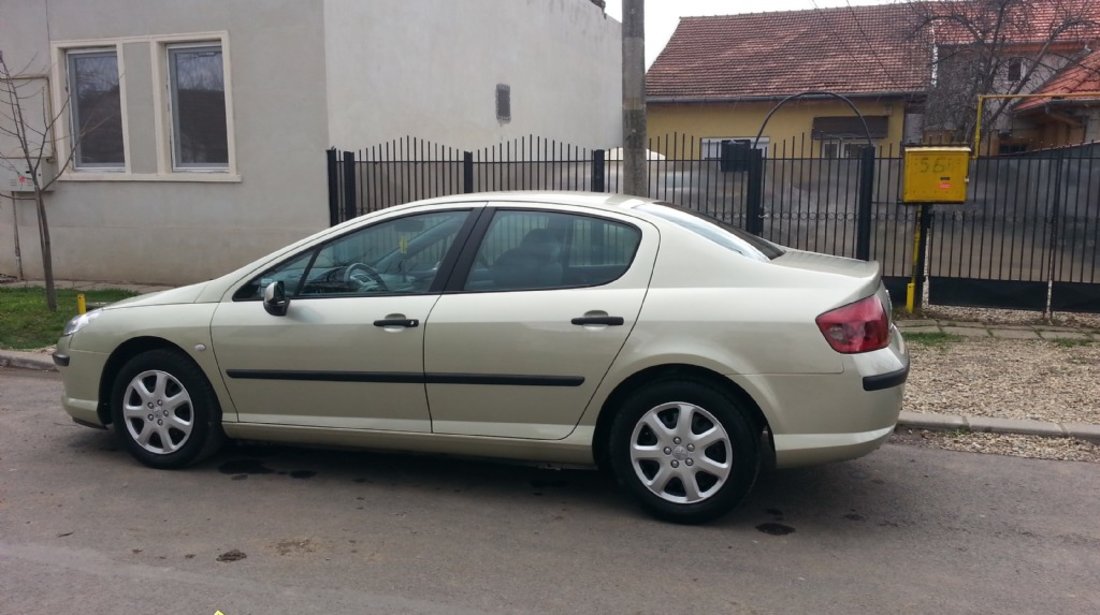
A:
(729, 237)
(405, 253)
(525, 250)
(96, 109)
(289, 273)
(396, 256)
(198, 106)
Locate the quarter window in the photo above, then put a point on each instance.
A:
(197, 83)
(532, 250)
(96, 109)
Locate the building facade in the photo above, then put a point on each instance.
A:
(199, 128)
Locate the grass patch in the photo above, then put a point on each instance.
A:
(25, 322)
(1071, 343)
(933, 340)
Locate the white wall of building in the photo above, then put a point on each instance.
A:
(143, 228)
(383, 69)
(429, 69)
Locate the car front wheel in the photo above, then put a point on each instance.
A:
(685, 450)
(164, 410)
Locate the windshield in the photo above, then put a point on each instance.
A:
(725, 235)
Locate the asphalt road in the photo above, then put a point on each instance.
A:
(83, 529)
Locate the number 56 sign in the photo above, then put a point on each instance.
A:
(935, 175)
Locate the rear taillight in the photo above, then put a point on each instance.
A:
(862, 326)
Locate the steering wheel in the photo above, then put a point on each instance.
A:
(350, 275)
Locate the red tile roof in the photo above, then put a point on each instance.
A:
(850, 50)
(1025, 22)
(865, 50)
(1080, 77)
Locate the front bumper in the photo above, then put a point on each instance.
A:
(80, 373)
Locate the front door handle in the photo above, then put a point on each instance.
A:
(613, 321)
(397, 322)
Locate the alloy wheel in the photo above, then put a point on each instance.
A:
(681, 452)
(158, 412)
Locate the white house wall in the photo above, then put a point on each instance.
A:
(147, 228)
(429, 69)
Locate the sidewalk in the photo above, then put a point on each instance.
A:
(41, 360)
(1015, 332)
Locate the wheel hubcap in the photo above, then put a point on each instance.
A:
(681, 452)
(157, 411)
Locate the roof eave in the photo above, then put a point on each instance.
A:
(688, 100)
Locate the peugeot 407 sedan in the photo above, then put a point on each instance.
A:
(553, 327)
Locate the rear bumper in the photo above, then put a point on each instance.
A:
(820, 418)
(888, 380)
(793, 450)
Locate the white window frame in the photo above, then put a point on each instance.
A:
(162, 129)
(63, 99)
(843, 148)
(710, 148)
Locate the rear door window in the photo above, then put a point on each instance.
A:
(531, 250)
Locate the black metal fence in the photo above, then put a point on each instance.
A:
(1026, 238)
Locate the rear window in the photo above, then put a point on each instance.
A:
(725, 235)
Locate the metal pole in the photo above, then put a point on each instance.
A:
(599, 174)
(350, 210)
(467, 172)
(754, 206)
(634, 117)
(333, 188)
(915, 296)
(866, 196)
(978, 128)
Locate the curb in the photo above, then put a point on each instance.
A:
(26, 360)
(954, 422)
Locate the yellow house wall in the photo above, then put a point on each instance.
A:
(743, 119)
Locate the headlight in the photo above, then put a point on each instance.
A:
(80, 322)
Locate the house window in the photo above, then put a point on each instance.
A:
(96, 109)
(843, 149)
(196, 80)
(1015, 69)
(710, 148)
(504, 103)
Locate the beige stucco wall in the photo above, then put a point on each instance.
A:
(429, 69)
(177, 232)
(743, 119)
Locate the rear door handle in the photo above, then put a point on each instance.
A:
(397, 322)
(613, 321)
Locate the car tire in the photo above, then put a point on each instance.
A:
(164, 410)
(656, 456)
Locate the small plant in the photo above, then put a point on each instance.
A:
(1071, 343)
(932, 340)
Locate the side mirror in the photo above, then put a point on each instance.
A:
(275, 301)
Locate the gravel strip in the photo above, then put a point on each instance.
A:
(1009, 317)
(1037, 380)
(1035, 447)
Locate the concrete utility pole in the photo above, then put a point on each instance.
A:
(634, 129)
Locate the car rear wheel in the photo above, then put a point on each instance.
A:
(685, 450)
(164, 410)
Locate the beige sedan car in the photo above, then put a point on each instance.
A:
(567, 328)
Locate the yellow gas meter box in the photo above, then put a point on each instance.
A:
(935, 175)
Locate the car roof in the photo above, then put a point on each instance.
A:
(596, 200)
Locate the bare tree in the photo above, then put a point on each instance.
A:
(982, 47)
(32, 130)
